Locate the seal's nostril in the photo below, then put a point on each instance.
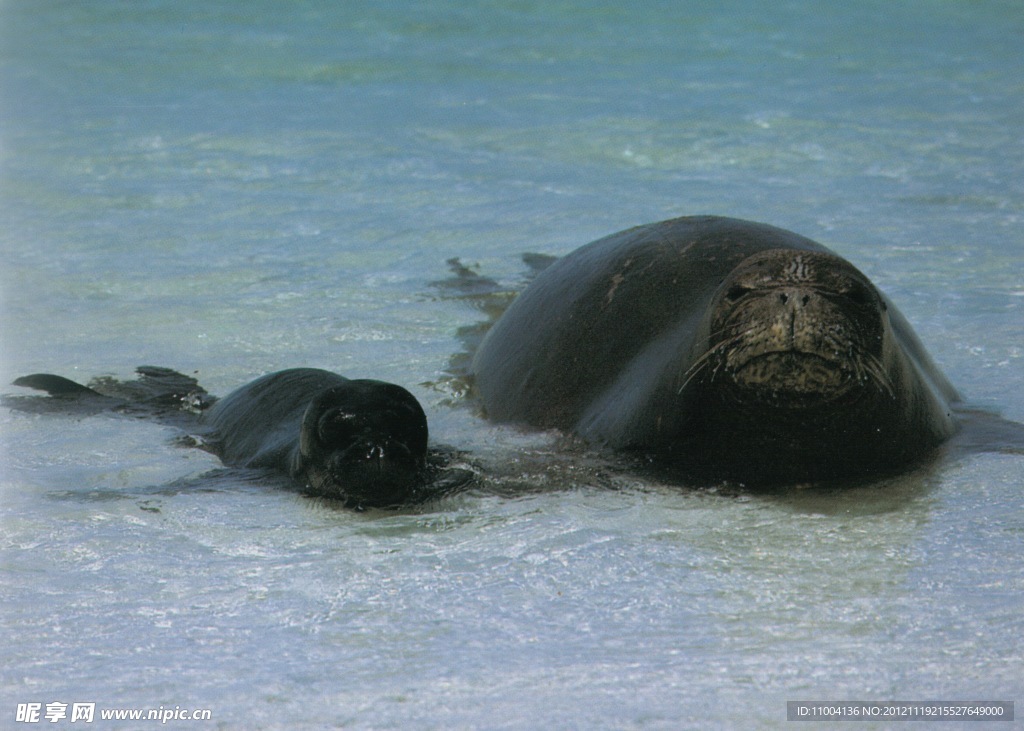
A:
(784, 298)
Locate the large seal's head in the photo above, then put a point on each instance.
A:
(799, 374)
(795, 330)
(364, 442)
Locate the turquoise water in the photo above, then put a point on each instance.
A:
(233, 188)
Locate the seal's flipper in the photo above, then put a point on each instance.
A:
(174, 389)
(537, 263)
(156, 390)
(982, 431)
(158, 393)
(466, 282)
(65, 397)
(482, 291)
(55, 385)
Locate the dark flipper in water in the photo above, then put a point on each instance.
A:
(982, 431)
(159, 393)
(65, 397)
(483, 292)
(486, 295)
(55, 385)
(157, 387)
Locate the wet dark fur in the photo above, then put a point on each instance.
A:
(726, 348)
(360, 441)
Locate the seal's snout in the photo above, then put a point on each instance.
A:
(790, 330)
(372, 472)
(377, 452)
(792, 311)
(793, 299)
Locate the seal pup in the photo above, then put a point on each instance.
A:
(357, 440)
(722, 348)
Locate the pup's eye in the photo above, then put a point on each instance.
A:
(335, 424)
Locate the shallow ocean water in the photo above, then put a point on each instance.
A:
(236, 189)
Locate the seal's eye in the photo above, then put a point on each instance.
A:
(858, 295)
(737, 292)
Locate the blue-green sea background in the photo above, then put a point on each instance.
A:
(234, 187)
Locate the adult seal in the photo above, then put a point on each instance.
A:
(725, 348)
(358, 440)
